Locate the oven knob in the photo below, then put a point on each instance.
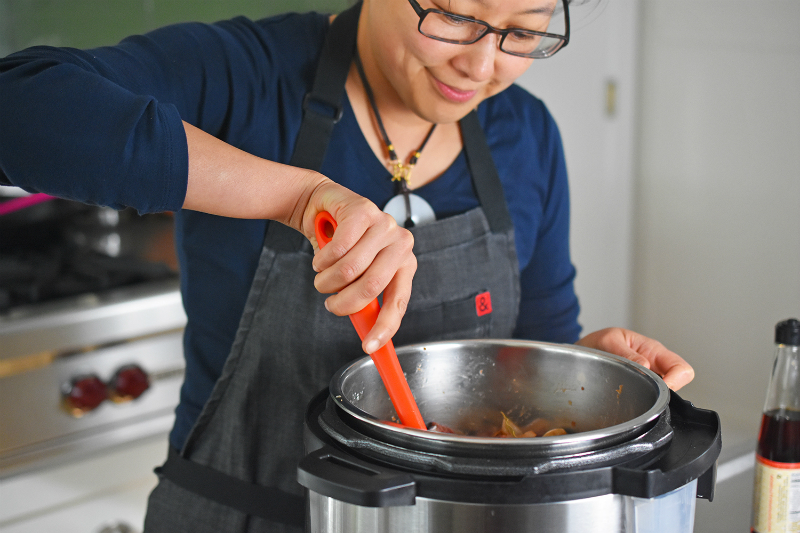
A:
(128, 383)
(84, 394)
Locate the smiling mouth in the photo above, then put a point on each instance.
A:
(453, 94)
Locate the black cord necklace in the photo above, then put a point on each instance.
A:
(401, 172)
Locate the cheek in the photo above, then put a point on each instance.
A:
(413, 60)
(505, 73)
(422, 51)
(509, 68)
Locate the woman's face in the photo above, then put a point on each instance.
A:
(442, 82)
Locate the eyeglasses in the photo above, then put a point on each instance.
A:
(458, 29)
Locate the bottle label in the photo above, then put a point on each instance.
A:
(776, 497)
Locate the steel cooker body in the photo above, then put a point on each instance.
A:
(634, 463)
(611, 513)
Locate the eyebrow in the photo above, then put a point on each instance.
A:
(544, 10)
(547, 10)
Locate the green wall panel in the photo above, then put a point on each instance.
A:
(89, 23)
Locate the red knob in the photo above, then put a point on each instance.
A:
(84, 394)
(129, 383)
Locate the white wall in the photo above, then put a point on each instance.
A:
(717, 218)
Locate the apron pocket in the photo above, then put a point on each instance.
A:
(465, 318)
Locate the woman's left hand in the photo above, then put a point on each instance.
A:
(640, 349)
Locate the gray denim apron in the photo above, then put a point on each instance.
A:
(237, 471)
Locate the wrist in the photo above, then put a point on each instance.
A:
(306, 185)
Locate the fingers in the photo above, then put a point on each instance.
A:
(613, 340)
(367, 255)
(672, 368)
(362, 253)
(675, 371)
(395, 303)
(391, 272)
(360, 220)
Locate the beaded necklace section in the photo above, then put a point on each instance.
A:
(407, 208)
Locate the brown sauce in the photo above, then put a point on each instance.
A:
(539, 427)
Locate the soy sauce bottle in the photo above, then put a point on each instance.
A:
(776, 494)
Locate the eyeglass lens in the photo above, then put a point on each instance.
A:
(445, 27)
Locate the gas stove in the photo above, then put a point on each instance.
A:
(91, 324)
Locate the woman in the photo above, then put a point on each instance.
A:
(207, 121)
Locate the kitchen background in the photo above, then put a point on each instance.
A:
(681, 123)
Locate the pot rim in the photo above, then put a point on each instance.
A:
(574, 442)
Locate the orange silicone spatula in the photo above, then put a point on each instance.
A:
(385, 358)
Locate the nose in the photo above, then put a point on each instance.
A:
(476, 61)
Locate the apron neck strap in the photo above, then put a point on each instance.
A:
(322, 106)
(485, 180)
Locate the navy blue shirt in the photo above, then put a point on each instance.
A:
(103, 126)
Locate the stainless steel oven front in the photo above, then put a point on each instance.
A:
(91, 363)
(85, 374)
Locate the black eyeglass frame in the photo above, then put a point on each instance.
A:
(422, 13)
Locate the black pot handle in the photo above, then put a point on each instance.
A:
(348, 479)
(692, 454)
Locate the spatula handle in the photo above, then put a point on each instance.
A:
(385, 358)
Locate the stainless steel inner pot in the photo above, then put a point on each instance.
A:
(599, 398)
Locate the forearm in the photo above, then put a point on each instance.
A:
(226, 181)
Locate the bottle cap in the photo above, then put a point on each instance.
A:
(788, 332)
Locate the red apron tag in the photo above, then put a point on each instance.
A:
(483, 303)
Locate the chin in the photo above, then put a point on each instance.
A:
(438, 110)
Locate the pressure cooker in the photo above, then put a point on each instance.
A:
(632, 456)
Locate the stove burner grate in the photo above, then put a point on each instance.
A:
(31, 276)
